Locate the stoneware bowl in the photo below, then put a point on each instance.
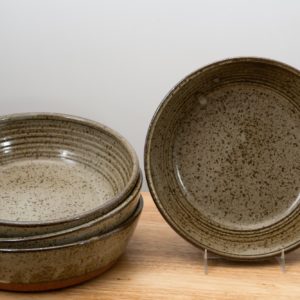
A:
(102, 224)
(49, 268)
(222, 158)
(59, 171)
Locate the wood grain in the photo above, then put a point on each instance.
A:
(159, 264)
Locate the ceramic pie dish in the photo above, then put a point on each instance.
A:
(97, 226)
(56, 267)
(59, 171)
(222, 158)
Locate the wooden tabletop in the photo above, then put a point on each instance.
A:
(159, 264)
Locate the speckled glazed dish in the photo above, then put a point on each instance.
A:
(222, 158)
(94, 227)
(56, 267)
(59, 171)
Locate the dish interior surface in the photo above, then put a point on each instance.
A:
(56, 167)
(41, 190)
(236, 155)
(222, 158)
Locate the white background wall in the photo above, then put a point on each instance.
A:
(113, 61)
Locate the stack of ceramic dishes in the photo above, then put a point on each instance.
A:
(69, 200)
(222, 158)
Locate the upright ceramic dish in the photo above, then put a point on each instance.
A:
(59, 171)
(61, 266)
(222, 158)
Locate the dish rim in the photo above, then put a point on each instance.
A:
(131, 220)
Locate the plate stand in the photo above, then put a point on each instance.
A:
(280, 259)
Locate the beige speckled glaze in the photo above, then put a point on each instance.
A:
(222, 158)
(59, 171)
(61, 266)
(94, 227)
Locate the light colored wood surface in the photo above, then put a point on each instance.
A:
(159, 264)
